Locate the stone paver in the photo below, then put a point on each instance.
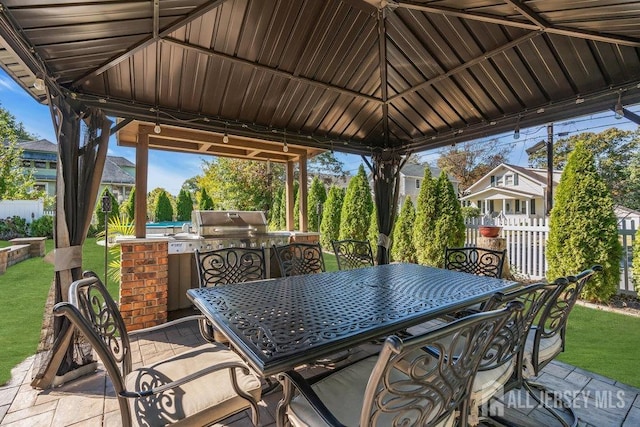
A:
(90, 401)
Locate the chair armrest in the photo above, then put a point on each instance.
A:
(228, 365)
(307, 392)
(167, 324)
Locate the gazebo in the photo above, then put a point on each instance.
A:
(377, 78)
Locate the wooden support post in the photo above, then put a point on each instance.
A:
(303, 193)
(288, 188)
(142, 167)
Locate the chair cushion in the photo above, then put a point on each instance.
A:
(549, 348)
(203, 400)
(487, 383)
(343, 394)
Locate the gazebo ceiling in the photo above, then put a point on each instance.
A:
(359, 76)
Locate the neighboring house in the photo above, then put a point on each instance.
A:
(41, 156)
(411, 178)
(513, 191)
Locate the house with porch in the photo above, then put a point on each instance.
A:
(412, 176)
(512, 191)
(41, 157)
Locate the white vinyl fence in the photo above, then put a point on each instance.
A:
(527, 240)
(27, 209)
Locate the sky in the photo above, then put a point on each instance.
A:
(169, 169)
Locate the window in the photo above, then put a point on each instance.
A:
(26, 163)
(53, 165)
(480, 206)
(417, 183)
(515, 179)
(40, 164)
(493, 180)
(517, 205)
(508, 180)
(40, 187)
(532, 209)
(507, 206)
(490, 206)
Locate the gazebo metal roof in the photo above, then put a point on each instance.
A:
(351, 75)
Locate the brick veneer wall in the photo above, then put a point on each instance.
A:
(144, 283)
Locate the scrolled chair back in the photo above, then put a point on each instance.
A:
(352, 254)
(296, 259)
(230, 265)
(474, 260)
(411, 386)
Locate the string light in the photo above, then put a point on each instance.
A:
(156, 128)
(619, 109)
(285, 148)
(516, 131)
(225, 138)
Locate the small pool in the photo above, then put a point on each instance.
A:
(167, 224)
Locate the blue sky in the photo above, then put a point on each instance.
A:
(169, 170)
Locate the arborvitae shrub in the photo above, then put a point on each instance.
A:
(583, 227)
(427, 212)
(402, 248)
(356, 208)
(450, 229)
(163, 210)
(330, 225)
(315, 203)
(204, 200)
(129, 206)
(184, 206)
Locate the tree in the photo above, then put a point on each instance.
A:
(241, 184)
(449, 228)
(184, 206)
(315, 203)
(330, 224)
(129, 207)
(356, 208)
(274, 212)
(614, 151)
(468, 165)
(113, 214)
(402, 249)
(16, 181)
(425, 223)
(204, 201)
(163, 210)
(152, 203)
(328, 165)
(583, 227)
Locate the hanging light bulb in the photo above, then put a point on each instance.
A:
(619, 109)
(516, 131)
(225, 138)
(38, 83)
(157, 128)
(285, 148)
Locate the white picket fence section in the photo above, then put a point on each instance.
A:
(27, 209)
(526, 240)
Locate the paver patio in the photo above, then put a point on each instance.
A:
(90, 401)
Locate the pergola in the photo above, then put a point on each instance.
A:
(377, 78)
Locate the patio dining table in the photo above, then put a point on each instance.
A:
(279, 324)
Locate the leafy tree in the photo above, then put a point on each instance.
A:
(191, 185)
(614, 151)
(402, 248)
(16, 181)
(373, 231)
(450, 229)
(356, 208)
(315, 202)
(328, 165)
(115, 210)
(240, 184)
(330, 224)
(282, 214)
(129, 207)
(468, 165)
(583, 227)
(204, 201)
(427, 212)
(163, 210)
(296, 208)
(184, 206)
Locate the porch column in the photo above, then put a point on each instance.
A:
(303, 190)
(288, 190)
(142, 166)
(526, 208)
(504, 206)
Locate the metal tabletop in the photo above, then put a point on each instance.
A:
(278, 324)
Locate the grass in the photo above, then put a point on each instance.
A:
(605, 343)
(598, 341)
(23, 292)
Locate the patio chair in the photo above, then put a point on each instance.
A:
(402, 385)
(199, 386)
(474, 260)
(546, 339)
(227, 265)
(295, 259)
(352, 254)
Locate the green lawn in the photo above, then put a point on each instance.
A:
(605, 343)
